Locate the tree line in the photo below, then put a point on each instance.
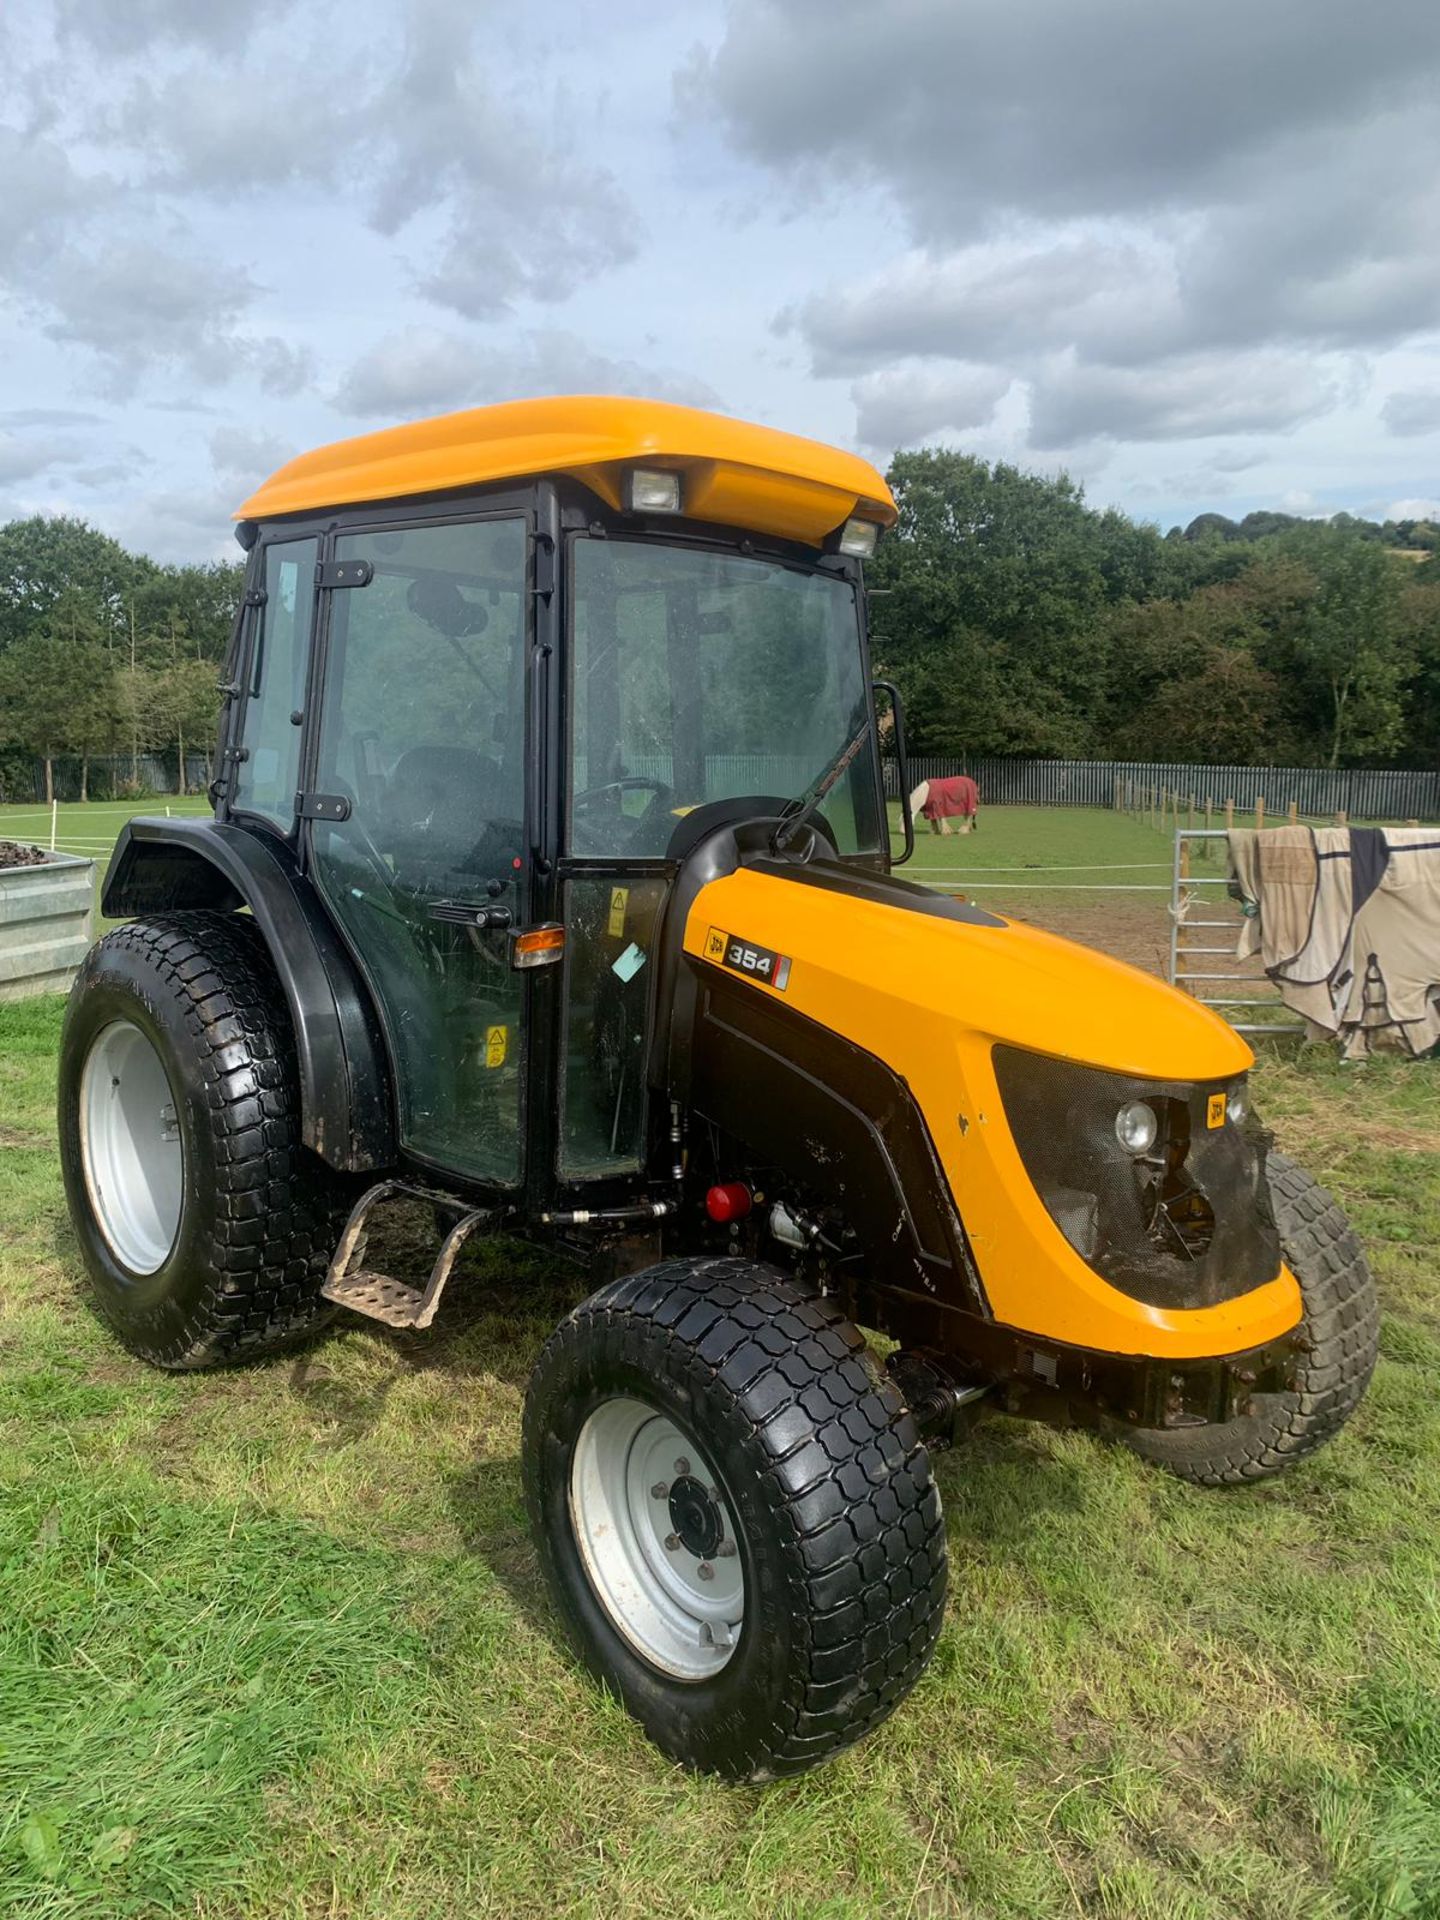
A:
(1019, 620)
(1016, 618)
(104, 654)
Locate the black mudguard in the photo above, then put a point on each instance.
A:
(161, 865)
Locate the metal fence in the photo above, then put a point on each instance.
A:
(1365, 793)
(111, 775)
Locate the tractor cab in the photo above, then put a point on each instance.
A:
(479, 718)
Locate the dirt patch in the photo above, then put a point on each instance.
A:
(1130, 927)
(12, 854)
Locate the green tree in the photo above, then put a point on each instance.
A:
(36, 699)
(1348, 657)
(44, 562)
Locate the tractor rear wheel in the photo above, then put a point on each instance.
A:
(205, 1225)
(735, 1514)
(1341, 1325)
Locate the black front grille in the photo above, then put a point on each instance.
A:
(1189, 1224)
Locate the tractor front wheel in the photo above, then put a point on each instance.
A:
(1341, 1331)
(735, 1514)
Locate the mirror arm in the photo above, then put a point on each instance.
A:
(902, 767)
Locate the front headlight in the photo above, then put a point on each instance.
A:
(1137, 1127)
(1144, 1178)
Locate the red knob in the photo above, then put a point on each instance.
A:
(732, 1201)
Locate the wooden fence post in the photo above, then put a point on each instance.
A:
(1294, 813)
(1342, 819)
(1229, 816)
(1259, 811)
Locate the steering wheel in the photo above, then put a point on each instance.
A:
(631, 783)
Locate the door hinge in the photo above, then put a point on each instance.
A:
(344, 573)
(322, 806)
(544, 568)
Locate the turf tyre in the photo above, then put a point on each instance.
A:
(837, 1517)
(1341, 1327)
(259, 1213)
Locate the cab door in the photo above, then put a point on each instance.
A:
(420, 750)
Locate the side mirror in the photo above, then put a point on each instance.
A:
(902, 770)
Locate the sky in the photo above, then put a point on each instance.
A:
(1188, 254)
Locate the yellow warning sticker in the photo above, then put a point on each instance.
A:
(497, 1045)
(619, 901)
(1215, 1110)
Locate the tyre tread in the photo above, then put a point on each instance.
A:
(842, 1465)
(1342, 1330)
(278, 1208)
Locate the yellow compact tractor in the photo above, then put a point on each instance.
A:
(549, 879)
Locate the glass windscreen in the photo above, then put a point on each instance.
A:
(704, 676)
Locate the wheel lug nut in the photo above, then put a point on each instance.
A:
(714, 1492)
(682, 1469)
(726, 1550)
(672, 1543)
(659, 1490)
(705, 1570)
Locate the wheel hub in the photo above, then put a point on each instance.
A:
(131, 1150)
(657, 1540)
(696, 1518)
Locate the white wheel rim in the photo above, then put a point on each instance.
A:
(130, 1147)
(657, 1539)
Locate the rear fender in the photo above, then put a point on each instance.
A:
(159, 866)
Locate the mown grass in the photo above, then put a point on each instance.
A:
(272, 1643)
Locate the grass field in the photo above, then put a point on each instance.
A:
(1026, 859)
(272, 1643)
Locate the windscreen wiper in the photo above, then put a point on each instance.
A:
(800, 812)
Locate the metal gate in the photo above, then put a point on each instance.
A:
(1202, 903)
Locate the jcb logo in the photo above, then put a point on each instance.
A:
(739, 956)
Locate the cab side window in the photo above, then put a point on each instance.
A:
(266, 779)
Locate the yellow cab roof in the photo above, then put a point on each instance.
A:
(734, 474)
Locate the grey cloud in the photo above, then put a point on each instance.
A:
(24, 458)
(204, 133)
(106, 472)
(527, 215)
(1413, 413)
(1072, 401)
(139, 304)
(241, 454)
(129, 26)
(1119, 192)
(414, 128)
(49, 417)
(899, 405)
(985, 302)
(281, 367)
(176, 524)
(428, 371)
(1049, 108)
(42, 189)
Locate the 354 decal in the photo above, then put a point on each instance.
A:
(743, 956)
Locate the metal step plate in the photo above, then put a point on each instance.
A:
(377, 1295)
